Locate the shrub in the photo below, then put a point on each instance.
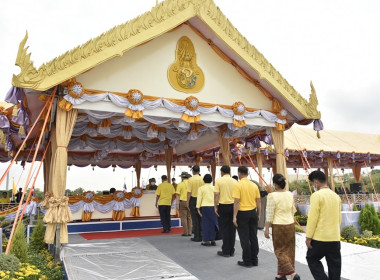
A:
(298, 228)
(37, 239)
(355, 208)
(9, 262)
(2, 218)
(301, 219)
(298, 212)
(369, 220)
(5, 242)
(5, 223)
(366, 234)
(18, 246)
(349, 232)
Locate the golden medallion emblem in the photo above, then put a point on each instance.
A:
(184, 74)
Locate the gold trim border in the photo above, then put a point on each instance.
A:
(162, 18)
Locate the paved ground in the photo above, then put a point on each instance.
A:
(202, 262)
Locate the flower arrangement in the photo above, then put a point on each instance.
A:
(373, 242)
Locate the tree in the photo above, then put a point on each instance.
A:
(18, 246)
(37, 242)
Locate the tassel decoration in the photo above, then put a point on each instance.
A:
(15, 110)
(21, 131)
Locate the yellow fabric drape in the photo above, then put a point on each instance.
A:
(278, 141)
(213, 169)
(138, 172)
(60, 139)
(64, 126)
(356, 171)
(331, 177)
(259, 159)
(118, 215)
(169, 160)
(225, 147)
(86, 216)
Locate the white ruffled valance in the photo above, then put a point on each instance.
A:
(162, 102)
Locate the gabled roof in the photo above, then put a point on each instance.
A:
(161, 19)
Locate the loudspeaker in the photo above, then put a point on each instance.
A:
(356, 187)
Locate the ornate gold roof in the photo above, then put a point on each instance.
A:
(162, 18)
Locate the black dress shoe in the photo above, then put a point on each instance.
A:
(213, 243)
(184, 234)
(206, 243)
(220, 253)
(297, 277)
(241, 263)
(195, 240)
(281, 278)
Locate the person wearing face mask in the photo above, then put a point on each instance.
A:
(152, 185)
(323, 229)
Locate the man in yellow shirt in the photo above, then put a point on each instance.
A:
(164, 198)
(184, 212)
(5, 198)
(247, 207)
(323, 229)
(224, 208)
(193, 185)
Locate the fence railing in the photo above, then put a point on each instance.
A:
(6, 206)
(354, 198)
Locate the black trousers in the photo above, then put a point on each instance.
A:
(165, 216)
(227, 228)
(247, 229)
(195, 218)
(329, 250)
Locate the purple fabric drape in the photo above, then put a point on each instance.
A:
(4, 124)
(22, 117)
(318, 125)
(9, 144)
(267, 139)
(255, 141)
(14, 95)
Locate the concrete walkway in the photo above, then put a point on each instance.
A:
(197, 262)
(176, 257)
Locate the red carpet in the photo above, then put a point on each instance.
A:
(129, 233)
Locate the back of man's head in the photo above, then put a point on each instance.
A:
(164, 177)
(195, 169)
(243, 170)
(317, 175)
(225, 169)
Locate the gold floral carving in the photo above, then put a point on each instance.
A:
(162, 18)
(311, 107)
(184, 74)
(29, 77)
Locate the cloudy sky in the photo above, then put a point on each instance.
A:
(335, 44)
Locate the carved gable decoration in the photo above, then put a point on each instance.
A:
(184, 74)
